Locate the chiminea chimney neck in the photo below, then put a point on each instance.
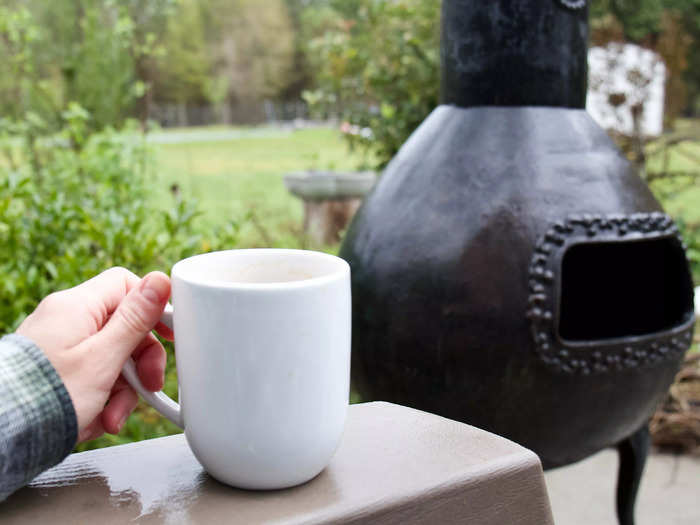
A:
(514, 53)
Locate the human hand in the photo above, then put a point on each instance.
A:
(89, 331)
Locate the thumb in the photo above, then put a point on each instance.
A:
(136, 315)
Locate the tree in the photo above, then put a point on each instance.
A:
(115, 56)
(83, 51)
(19, 35)
(669, 27)
(688, 14)
(252, 44)
(301, 75)
(639, 18)
(221, 51)
(181, 74)
(377, 67)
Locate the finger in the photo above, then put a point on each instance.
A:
(119, 384)
(151, 371)
(118, 408)
(150, 360)
(145, 343)
(110, 287)
(132, 321)
(92, 431)
(165, 331)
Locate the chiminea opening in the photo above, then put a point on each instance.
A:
(620, 289)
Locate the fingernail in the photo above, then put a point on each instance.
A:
(155, 288)
(121, 423)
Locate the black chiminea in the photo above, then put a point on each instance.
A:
(510, 270)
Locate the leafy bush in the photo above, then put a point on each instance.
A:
(73, 205)
(669, 190)
(691, 237)
(377, 67)
(93, 52)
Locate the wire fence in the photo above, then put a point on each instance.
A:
(252, 112)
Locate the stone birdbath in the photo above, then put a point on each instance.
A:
(330, 200)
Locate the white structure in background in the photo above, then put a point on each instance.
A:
(624, 79)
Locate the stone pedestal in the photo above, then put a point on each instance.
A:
(325, 220)
(330, 200)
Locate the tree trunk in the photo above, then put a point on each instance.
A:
(182, 114)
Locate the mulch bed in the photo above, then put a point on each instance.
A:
(676, 424)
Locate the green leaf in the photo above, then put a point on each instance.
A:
(387, 110)
(51, 269)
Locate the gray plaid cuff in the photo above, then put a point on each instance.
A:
(38, 425)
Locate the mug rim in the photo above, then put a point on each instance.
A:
(342, 270)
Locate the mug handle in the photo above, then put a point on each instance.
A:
(158, 400)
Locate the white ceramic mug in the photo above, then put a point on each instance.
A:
(262, 340)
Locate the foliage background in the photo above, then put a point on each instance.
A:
(79, 81)
(377, 67)
(78, 206)
(376, 62)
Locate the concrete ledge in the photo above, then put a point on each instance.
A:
(394, 465)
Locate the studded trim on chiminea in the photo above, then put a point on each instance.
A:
(608, 355)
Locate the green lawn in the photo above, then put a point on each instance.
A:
(232, 172)
(681, 197)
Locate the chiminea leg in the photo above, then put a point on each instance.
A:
(633, 455)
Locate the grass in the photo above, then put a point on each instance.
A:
(243, 174)
(680, 194)
(681, 197)
(236, 173)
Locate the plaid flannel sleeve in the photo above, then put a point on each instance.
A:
(38, 425)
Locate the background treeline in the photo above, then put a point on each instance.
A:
(122, 58)
(364, 59)
(669, 27)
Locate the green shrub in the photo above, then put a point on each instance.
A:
(691, 237)
(377, 67)
(73, 205)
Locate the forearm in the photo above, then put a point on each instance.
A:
(38, 426)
